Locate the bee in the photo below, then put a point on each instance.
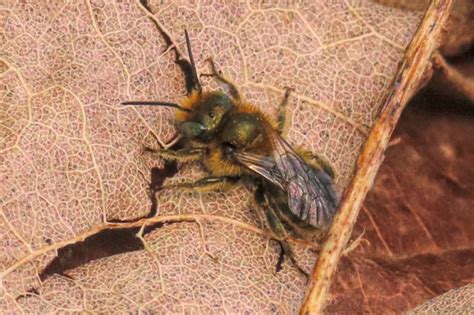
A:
(237, 143)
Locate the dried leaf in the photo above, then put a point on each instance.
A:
(456, 301)
(410, 77)
(458, 37)
(417, 218)
(453, 79)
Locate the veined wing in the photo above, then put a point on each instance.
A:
(311, 195)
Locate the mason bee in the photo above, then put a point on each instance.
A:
(237, 143)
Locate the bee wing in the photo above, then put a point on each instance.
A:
(265, 166)
(311, 195)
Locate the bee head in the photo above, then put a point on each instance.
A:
(200, 114)
(207, 111)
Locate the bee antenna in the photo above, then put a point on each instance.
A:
(166, 104)
(191, 60)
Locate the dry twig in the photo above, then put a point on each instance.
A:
(416, 61)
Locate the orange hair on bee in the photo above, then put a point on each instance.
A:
(245, 107)
(188, 102)
(219, 166)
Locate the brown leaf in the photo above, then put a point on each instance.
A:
(453, 79)
(71, 156)
(459, 37)
(418, 218)
(408, 80)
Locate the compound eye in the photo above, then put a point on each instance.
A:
(212, 114)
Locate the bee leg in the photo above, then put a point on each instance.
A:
(206, 184)
(281, 116)
(232, 89)
(182, 155)
(278, 230)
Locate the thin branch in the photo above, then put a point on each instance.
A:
(417, 60)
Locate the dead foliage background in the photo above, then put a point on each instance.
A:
(75, 226)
